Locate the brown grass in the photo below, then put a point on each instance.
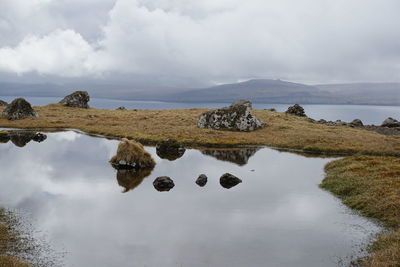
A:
(132, 152)
(283, 130)
(371, 185)
(6, 239)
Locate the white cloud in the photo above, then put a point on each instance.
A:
(318, 40)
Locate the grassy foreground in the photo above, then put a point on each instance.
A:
(371, 185)
(7, 239)
(282, 131)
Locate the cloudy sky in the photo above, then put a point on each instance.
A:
(207, 41)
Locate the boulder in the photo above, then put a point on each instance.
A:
(78, 99)
(296, 110)
(3, 103)
(131, 155)
(390, 122)
(356, 123)
(19, 109)
(39, 137)
(229, 180)
(121, 108)
(236, 117)
(163, 183)
(170, 150)
(201, 180)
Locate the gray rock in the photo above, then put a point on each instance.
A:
(356, 123)
(19, 109)
(163, 183)
(236, 117)
(390, 122)
(170, 150)
(229, 180)
(296, 110)
(201, 180)
(78, 99)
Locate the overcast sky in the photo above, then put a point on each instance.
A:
(209, 41)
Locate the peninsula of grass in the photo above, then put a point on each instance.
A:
(8, 239)
(371, 185)
(152, 126)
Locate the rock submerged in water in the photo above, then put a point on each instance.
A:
(163, 183)
(78, 99)
(201, 180)
(236, 117)
(390, 123)
(229, 180)
(170, 150)
(19, 109)
(131, 155)
(296, 110)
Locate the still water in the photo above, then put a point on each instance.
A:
(278, 216)
(368, 114)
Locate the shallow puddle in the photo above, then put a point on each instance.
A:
(278, 216)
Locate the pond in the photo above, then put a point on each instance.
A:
(278, 216)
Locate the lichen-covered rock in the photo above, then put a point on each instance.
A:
(201, 180)
(390, 122)
(296, 110)
(356, 123)
(3, 103)
(131, 155)
(170, 150)
(229, 180)
(19, 109)
(78, 99)
(163, 183)
(236, 117)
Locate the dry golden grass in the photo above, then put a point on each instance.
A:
(283, 131)
(7, 238)
(132, 152)
(371, 185)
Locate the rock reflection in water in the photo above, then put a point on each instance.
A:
(129, 179)
(21, 138)
(237, 156)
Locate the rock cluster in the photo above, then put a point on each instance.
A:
(170, 150)
(19, 109)
(131, 155)
(296, 110)
(236, 117)
(163, 183)
(391, 123)
(78, 99)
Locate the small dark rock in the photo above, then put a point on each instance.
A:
(163, 183)
(19, 109)
(39, 137)
(228, 180)
(356, 123)
(170, 150)
(271, 109)
(390, 122)
(201, 180)
(121, 108)
(296, 110)
(78, 99)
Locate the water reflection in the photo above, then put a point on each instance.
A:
(129, 179)
(21, 138)
(170, 150)
(237, 156)
(277, 217)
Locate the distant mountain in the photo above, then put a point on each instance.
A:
(257, 90)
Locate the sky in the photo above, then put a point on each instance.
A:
(192, 42)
